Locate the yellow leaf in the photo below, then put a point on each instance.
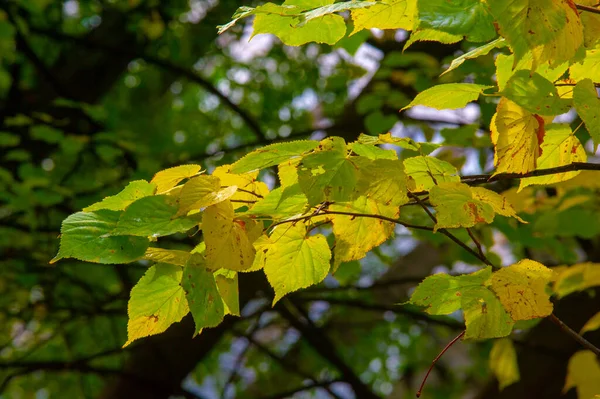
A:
(249, 189)
(591, 24)
(503, 362)
(288, 172)
(583, 373)
(384, 181)
(522, 289)
(588, 68)
(500, 204)
(560, 147)
(169, 178)
(228, 244)
(576, 278)
(201, 192)
(171, 256)
(592, 324)
(393, 14)
(355, 236)
(517, 135)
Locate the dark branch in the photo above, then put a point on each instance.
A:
(587, 8)
(572, 167)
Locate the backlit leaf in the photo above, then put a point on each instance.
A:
(294, 260)
(587, 105)
(583, 374)
(592, 324)
(578, 277)
(448, 96)
(476, 52)
(503, 362)
(390, 14)
(133, 191)
(506, 68)
(456, 206)
(272, 155)
(227, 283)
(172, 256)
(431, 35)
(89, 236)
(424, 172)
(156, 302)
(485, 316)
(328, 29)
(201, 192)
(249, 189)
(281, 202)
(535, 93)
(591, 24)
(522, 289)
(589, 68)
(169, 178)
(384, 181)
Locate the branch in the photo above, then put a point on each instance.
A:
(569, 331)
(587, 8)
(290, 393)
(164, 64)
(488, 178)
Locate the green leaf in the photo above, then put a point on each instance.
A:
(156, 302)
(227, 283)
(294, 260)
(372, 152)
(587, 105)
(431, 35)
(132, 192)
(583, 373)
(476, 52)
(448, 96)
(442, 294)
(328, 29)
(154, 216)
(506, 68)
(201, 192)
(469, 18)
(522, 289)
(560, 147)
(576, 278)
(272, 155)
(424, 172)
(503, 362)
(281, 202)
(384, 181)
(169, 178)
(329, 175)
(391, 14)
(536, 94)
(337, 7)
(89, 236)
(484, 315)
(202, 294)
(172, 256)
(355, 236)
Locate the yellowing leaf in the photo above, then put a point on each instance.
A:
(484, 315)
(591, 24)
(201, 192)
(589, 68)
(132, 192)
(448, 95)
(391, 14)
(587, 105)
(295, 261)
(228, 245)
(442, 294)
(172, 256)
(578, 277)
(248, 188)
(384, 181)
(506, 68)
(424, 172)
(583, 373)
(272, 155)
(156, 302)
(202, 294)
(592, 324)
(431, 35)
(503, 362)
(517, 135)
(169, 178)
(551, 28)
(355, 236)
(476, 52)
(328, 29)
(288, 172)
(560, 147)
(500, 204)
(280, 203)
(535, 93)
(227, 283)
(522, 289)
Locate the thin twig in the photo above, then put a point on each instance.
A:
(587, 8)
(569, 331)
(476, 242)
(488, 178)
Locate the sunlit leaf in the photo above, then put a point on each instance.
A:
(583, 374)
(281, 202)
(476, 52)
(577, 278)
(589, 68)
(169, 178)
(384, 181)
(448, 96)
(172, 256)
(201, 192)
(587, 105)
(272, 155)
(227, 283)
(424, 172)
(485, 316)
(535, 93)
(431, 35)
(133, 191)
(391, 14)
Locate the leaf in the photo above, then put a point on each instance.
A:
(587, 105)
(503, 362)
(403, 142)
(172, 256)
(355, 236)
(337, 7)
(169, 178)
(484, 315)
(424, 172)
(578, 277)
(522, 289)
(469, 18)
(591, 24)
(589, 68)
(154, 216)
(535, 93)
(156, 302)
(281, 202)
(591, 325)
(391, 14)
(328, 29)
(517, 135)
(506, 68)
(384, 181)
(89, 236)
(549, 27)
(295, 261)
(499, 203)
(288, 172)
(455, 206)
(228, 244)
(475, 53)
(442, 294)
(372, 152)
(560, 147)
(201, 192)
(202, 294)
(133, 191)
(583, 373)
(329, 175)
(227, 283)
(248, 188)
(272, 155)
(448, 96)
(431, 35)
